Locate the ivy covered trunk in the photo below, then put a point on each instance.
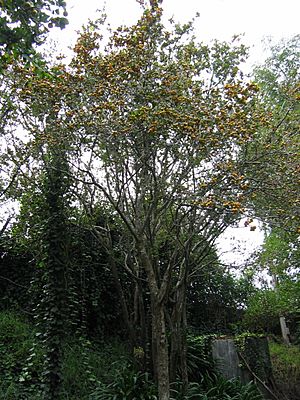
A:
(54, 260)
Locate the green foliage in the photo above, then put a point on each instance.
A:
(16, 344)
(213, 387)
(199, 357)
(276, 149)
(267, 305)
(279, 258)
(262, 313)
(218, 388)
(128, 384)
(90, 280)
(288, 355)
(86, 365)
(279, 72)
(286, 368)
(92, 301)
(53, 259)
(15, 275)
(280, 255)
(25, 23)
(192, 392)
(216, 299)
(83, 364)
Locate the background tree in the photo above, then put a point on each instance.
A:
(216, 300)
(276, 149)
(276, 154)
(23, 26)
(279, 295)
(26, 23)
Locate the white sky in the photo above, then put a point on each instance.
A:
(219, 19)
(238, 243)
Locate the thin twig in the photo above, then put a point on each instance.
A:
(12, 282)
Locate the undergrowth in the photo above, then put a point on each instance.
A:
(286, 369)
(83, 366)
(102, 371)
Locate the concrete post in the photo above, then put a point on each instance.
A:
(284, 330)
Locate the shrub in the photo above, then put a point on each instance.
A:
(219, 388)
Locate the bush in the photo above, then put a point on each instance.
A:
(85, 365)
(219, 388)
(15, 343)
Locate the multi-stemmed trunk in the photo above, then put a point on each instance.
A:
(178, 347)
(160, 350)
(159, 343)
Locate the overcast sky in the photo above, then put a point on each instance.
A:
(219, 19)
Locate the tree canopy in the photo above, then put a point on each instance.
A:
(25, 23)
(276, 150)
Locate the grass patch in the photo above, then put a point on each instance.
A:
(286, 368)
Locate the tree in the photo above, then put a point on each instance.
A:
(279, 259)
(54, 260)
(275, 150)
(164, 122)
(26, 23)
(23, 25)
(48, 194)
(157, 123)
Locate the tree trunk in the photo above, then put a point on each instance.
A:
(178, 337)
(140, 324)
(162, 357)
(173, 357)
(125, 314)
(160, 352)
(183, 353)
